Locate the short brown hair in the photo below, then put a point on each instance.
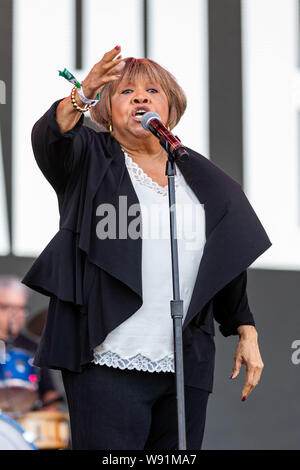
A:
(101, 113)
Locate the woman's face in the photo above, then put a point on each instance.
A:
(128, 103)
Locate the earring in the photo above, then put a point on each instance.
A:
(110, 128)
(168, 128)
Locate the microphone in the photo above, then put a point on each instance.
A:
(152, 122)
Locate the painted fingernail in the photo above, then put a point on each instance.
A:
(231, 376)
(244, 398)
(117, 48)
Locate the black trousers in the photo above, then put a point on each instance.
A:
(114, 409)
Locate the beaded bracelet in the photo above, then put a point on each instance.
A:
(75, 105)
(70, 77)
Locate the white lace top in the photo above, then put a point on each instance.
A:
(145, 340)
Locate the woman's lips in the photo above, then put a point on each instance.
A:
(138, 117)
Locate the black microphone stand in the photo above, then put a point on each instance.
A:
(176, 304)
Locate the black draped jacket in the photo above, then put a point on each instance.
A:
(94, 285)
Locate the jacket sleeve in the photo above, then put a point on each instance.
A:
(57, 154)
(231, 308)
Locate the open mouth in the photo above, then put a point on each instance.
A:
(139, 112)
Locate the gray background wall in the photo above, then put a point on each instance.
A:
(269, 419)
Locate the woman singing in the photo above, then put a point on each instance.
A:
(108, 269)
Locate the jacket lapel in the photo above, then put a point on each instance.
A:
(109, 183)
(194, 171)
(234, 235)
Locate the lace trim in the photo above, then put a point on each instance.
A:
(138, 362)
(140, 176)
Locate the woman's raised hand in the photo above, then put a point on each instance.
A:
(105, 71)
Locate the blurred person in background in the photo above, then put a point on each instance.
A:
(13, 307)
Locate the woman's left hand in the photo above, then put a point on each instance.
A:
(247, 352)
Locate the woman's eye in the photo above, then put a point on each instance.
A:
(129, 90)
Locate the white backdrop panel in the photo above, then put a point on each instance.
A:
(178, 40)
(4, 242)
(44, 41)
(271, 97)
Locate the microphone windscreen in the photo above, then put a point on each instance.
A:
(147, 118)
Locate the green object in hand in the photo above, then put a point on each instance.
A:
(70, 77)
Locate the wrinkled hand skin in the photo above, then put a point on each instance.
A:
(104, 71)
(247, 353)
